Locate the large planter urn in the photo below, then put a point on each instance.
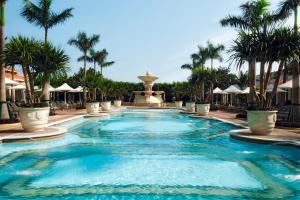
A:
(34, 119)
(92, 108)
(106, 105)
(117, 103)
(203, 109)
(261, 122)
(178, 104)
(190, 106)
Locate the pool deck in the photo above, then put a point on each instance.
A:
(284, 136)
(280, 135)
(15, 133)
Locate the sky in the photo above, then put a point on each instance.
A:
(140, 35)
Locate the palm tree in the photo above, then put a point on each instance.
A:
(198, 59)
(201, 75)
(84, 43)
(56, 65)
(93, 57)
(102, 60)
(287, 7)
(249, 24)
(3, 105)
(214, 52)
(42, 16)
(286, 43)
(20, 51)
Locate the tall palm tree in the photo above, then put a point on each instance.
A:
(287, 7)
(3, 105)
(250, 23)
(102, 60)
(93, 57)
(198, 59)
(214, 52)
(42, 16)
(84, 43)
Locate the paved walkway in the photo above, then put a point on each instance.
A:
(14, 132)
(282, 136)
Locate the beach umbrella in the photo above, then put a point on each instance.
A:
(233, 89)
(64, 88)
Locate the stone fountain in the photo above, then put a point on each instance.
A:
(148, 97)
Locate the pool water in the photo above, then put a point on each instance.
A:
(148, 154)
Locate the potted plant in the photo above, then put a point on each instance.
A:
(201, 76)
(34, 118)
(92, 107)
(268, 46)
(105, 90)
(30, 54)
(177, 89)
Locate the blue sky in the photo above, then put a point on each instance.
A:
(140, 35)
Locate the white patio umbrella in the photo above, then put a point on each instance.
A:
(246, 90)
(287, 85)
(233, 89)
(64, 88)
(218, 91)
(19, 87)
(10, 82)
(50, 88)
(270, 89)
(78, 89)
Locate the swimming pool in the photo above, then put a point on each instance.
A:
(148, 154)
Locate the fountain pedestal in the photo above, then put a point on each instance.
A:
(148, 97)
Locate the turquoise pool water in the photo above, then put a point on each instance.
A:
(148, 154)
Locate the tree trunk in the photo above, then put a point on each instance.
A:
(26, 79)
(45, 89)
(261, 82)
(45, 97)
(252, 81)
(276, 83)
(84, 88)
(95, 89)
(4, 115)
(202, 91)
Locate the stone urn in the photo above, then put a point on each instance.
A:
(92, 108)
(261, 122)
(34, 119)
(178, 104)
(117, 103)
(106, 105)
(203, 109)
(190, 106)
